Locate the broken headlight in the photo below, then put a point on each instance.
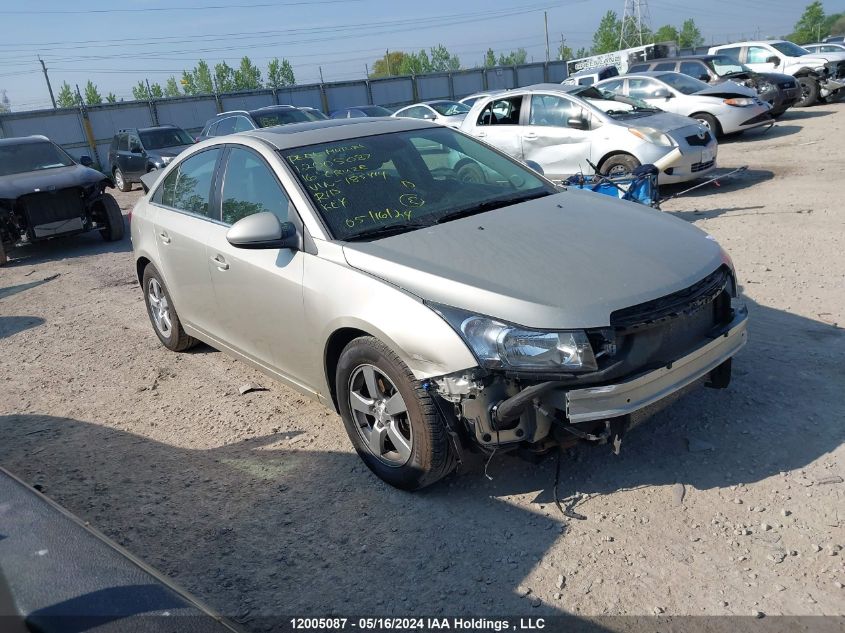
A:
(499, 345)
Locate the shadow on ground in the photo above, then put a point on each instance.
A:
(59, 248)
(735, 182)
(268, 526)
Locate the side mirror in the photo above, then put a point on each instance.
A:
(535, 166)
(661, 93)
(263, 230)
(136, 149)
(704, 77)
(774, 59)
(85, 161)
(577, 123)
(429, 117)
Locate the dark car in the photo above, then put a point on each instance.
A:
(836, 39)
(134, 152)
(245, 120)
(314, 114)
(356, 112)
(778, 90)
(45, 193)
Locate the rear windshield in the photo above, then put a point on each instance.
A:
(450, 108)
(682, 83)
(19, 159)
(614, 105)
(376, 111)
(724, 66)
(281, 117)
(165, 137)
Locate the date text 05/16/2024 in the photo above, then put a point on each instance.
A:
(427, 624)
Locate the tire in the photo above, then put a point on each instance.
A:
(114, 229)
(469, 171)
(409, 448)
(3, 257)
(708, 121)
(619, 165)
(809, 92)
(173, 337)
(120, 181)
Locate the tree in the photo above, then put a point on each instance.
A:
(414, 64)
(5, 105)
(156, 91)
(171, 87)
(489, 58)
(279, 74)
(247, 75)
(582, 52)
(67, 97)
(606, 37)
(810, 25)
(111, 98)
(224, 77)
(666, 33)
(564, 52)
(140, 92)
(388, 65)
(198, 81)
(92, 95)
(838, 25)
(690, 35)
(513, 58)
(442, 60)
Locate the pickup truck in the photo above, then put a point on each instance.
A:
(820, 76)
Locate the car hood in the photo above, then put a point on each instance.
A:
(818, 59)
(726, 88)
(662, 121)
(16, 185)
(563, 261)
(168, 151)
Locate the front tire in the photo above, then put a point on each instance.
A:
(392, 421)
(114, 229)
(809, 91)
(708, 121)
(619, 165)
(120, 181)
(162, 313)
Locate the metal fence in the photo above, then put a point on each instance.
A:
(89, 129)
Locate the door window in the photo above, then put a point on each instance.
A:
(225, 126)
(664, 66)
(123, 143)
(501, 112)
(642, 87)
(694, 69)
(242, 124)
(612, 86)
(188, 187)
(758, 54)
(134, 143)
(250, 187)
(733, 52)
(553, 110)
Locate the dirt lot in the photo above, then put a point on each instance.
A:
(729, 502)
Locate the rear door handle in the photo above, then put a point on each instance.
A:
(218, 261)
(165, 238)
(530, 136)
(481, 134)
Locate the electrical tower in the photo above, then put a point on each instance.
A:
(636, 21)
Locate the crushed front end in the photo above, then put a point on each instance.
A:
(650, 355)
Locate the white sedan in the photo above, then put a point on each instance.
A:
(440, 111)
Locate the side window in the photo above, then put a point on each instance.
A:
(641, 87)
(225, 126)
(639, 68)
(612, 86)
(134, 143)
(417, 112)
(694, 69)
(758, 54)
(733, 52)
(586, 81)
(123, 143)
(242, 124)
(663, 66)
(250, 187)
(188, 187)
(501, 112)
(553, 110)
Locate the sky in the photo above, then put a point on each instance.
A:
(117, 43)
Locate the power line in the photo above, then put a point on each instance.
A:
(209, 7)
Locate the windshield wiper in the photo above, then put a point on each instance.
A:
(489, 205)
(389, 229)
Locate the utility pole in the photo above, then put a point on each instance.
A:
(321, 74)
(149, 90)
(367, 68)
(546, 22)
(387, 57)
(47, 78)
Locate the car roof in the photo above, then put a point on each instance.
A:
(550, 86)
(748, 43)
(649, 73)
(169, 126)
(24, 140)
(301, 134)
(679, 58)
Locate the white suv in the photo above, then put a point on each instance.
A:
(820, 75)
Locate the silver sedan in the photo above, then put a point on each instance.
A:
(440, 111)
(349, 260)
(724, 108)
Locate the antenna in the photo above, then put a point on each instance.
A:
(636, 20)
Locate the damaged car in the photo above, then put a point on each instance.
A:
(45, 193)
(435, 315)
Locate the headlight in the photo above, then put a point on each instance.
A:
(739, 102)
(821, 70)
(166, 159)
(651, 135)
(764, 86)
(499, 345)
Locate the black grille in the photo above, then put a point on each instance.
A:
(695, 140)
(53, 206)
(758, 119)
(702, 166)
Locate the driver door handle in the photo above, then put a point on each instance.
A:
(530, 135)
(218, 261)
(481, 134)
(165, 238)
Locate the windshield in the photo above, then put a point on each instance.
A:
(314, 115)
(616, 106)
(19, 159)
(724, 65)
(393, 183)
(682, 83)
(789, 49)
(375, 111)
(165, 137)
(449, 108)
(281, 117)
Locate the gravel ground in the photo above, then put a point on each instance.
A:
(728, 502)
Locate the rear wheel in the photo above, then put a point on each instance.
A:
(162, 314)
(392, 421)
(619, 165)
(113, 218)
(809, 91)
(120, 180)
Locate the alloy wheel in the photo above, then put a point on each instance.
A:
(118, 178)
(381, 415)
(159, 308)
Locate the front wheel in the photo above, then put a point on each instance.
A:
(113, 219)
(619, 165)
(392, 421)
(162, 314)
(809, 91)
(710, 122)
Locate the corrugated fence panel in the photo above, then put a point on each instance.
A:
(557, 72)
(190, 114)
(247, 101)
(500, 78)
(527, 75)
(300, 96)
(433, 87)
(467, 83)
(106, 120)
(62, 126)
(399, 91)
(346, 95)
